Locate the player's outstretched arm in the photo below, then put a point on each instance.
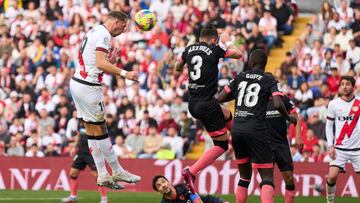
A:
(106, 66)
(279, 105)
(179, 66)
(232, 50)
(298, 139)
(223, 96)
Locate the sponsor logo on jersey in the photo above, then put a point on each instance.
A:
(355, 108)
(346, 118)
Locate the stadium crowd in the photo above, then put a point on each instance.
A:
(38, 53)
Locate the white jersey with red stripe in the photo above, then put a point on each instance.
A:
(96, 39)
(347, 126)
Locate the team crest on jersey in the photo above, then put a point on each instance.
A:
(106, 40)
(355, 108)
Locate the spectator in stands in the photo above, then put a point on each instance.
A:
(34, 152)
(135, 140)
(51, 150)
(327, 11)
(178, 106)
(176, 143)
(345, 12)
(336, 22)
(267, 26)
(342, 65)
(287, 64)
(296, 156)
(122, 150)
(355, 27)
(284, 16)
(15, 148)
(353, 55)
(294, 80)
(343, 38)
(318, 127)
(256, 40)
(167, 122)
(328, 62)
(315, 80)
(304, 96)
(310, 140)
(152, 143)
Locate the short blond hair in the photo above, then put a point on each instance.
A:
(118, 15)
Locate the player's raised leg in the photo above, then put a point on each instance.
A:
(211, 115)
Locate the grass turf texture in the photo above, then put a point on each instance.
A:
(17, 196)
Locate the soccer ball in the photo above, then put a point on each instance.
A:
(145, 20)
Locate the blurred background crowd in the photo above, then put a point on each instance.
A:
(39, 44)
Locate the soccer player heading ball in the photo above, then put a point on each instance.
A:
(86, 90)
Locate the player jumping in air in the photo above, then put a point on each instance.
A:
(252, 90)
(202, 60)
(82, 158)
(344, 144)
(87, 92)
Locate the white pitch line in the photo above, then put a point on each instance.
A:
(29, 198)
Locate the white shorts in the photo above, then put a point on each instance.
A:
(88, 101)
(342, 157)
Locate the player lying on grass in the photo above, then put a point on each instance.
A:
(180, 193)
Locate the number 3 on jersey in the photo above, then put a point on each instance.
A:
(250, 94)
(196, 61)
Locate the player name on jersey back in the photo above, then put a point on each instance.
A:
(205, 49)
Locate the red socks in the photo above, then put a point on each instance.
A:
(206, 159)
(242, 190)
(102, 191)
(73, 186)
(289, 196)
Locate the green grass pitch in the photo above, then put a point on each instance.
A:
(16, 196)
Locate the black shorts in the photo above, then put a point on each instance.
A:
(254, 147)
(282, 156)
(210, 114)
(83, 160)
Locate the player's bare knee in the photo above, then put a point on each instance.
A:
(331, 179)
(288, 179)
(73, 173)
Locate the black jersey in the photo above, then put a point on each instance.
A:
(183, 193)
(202, 60)
(276, 123)
(82, 145)
(252, 90)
